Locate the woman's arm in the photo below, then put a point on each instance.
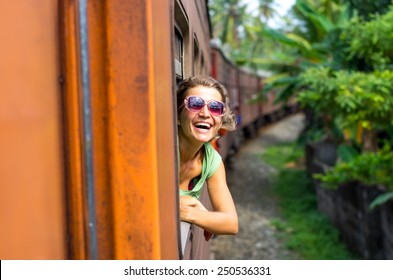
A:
(223, 219)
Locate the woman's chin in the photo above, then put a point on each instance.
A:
(203, 138)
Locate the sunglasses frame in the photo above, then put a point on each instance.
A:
(206, 103)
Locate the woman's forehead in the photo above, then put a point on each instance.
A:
(207, 93)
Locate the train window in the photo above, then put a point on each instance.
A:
(178, 55)
(235, 98)
(183, 42)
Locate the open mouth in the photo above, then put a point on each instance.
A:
(203, 125)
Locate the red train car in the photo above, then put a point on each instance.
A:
(227, 73)
(243, 87)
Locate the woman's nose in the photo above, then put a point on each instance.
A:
(204, 111)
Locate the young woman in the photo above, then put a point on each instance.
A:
(203, 108)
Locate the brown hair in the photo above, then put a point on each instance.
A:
(228, 119)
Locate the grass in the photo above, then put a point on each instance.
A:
(304, 229)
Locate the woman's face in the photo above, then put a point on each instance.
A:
(201, 126)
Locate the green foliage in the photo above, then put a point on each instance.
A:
(226, 18)
(285, 83)
(369, 168)
(372, 40)
(306, 51)
(282, 154)
(366, 8)
(319, 90)
(337, 66)
(381, 199)
(289, 39)
(347, 153)
(319, 20)
(304, 229)
(365, 98)
(312, 134)
(353, 97)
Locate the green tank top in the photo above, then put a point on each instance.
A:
(210, 164)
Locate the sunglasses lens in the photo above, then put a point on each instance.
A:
(195, 103)
(216, 108)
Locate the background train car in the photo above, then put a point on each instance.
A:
(226, 72)
(243, 86)
(249, 86)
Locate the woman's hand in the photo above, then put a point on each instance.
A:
(188, 206)
(223, 218)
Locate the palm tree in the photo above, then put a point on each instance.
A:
(226, 17)
(235, 25)
(266, 10)
(286, 54)
(308, 45)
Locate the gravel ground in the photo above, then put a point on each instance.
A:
(255, 203)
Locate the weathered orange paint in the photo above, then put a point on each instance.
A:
(98, 26)
(135, 187)
(70, 75)
(32, 207)
(164, 95)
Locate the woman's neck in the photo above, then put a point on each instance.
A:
(188, 150)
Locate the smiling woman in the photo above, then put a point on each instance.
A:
(203, 110)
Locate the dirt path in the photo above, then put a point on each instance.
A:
(255, 202)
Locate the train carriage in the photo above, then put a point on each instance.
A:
(226, 72)
(243, 87)
(88, 129)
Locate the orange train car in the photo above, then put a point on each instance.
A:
(87, 119)
(88, 166)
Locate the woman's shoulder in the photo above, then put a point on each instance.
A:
(210, 151)
(213, 159)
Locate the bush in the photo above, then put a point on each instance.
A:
(369, 168)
